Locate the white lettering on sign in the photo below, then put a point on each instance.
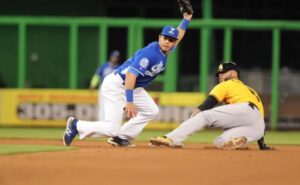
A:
(48, 111)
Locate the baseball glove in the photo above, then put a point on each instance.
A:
(185, 6)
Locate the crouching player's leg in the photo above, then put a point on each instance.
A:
(185, 129)
(239, 137)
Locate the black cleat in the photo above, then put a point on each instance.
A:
(117, 141)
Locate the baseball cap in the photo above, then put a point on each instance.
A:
(115, 53)
(169, 31)
(227, 66)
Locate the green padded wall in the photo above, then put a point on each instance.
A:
(8, 55)
(47, 57)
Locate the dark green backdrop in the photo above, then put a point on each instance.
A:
(47, 58)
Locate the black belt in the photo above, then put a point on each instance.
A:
(252, 105)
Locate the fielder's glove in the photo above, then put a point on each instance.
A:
(185, 6)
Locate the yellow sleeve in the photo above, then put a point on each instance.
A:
(95, 81)
(219, 91)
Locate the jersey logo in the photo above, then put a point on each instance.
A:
(144, 62)
(155, 69)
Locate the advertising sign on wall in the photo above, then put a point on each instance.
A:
(48, 107)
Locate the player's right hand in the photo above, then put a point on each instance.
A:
(130, 109)
(268, 148)
(196, 111)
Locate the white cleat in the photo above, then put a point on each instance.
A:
(163, 141)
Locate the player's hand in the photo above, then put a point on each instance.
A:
(130, 109)
(196, 111)
(91, 88)
(266, 147)
(185, 6)
(187, 16)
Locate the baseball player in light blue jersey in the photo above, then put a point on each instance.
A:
(124, 90)
(105, 69)
(101, 72)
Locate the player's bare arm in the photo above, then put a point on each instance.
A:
(187, 11)
(130, 108)
(167, 41)
(186, 18)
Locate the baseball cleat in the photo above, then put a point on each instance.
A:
(236, 143)
(71, 131)
(117, 141)
(163, 141)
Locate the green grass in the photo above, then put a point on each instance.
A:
(31, 133)
(7, 149)
(283, 137)
(205, 136)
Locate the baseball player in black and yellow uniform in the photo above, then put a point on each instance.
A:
(242, 116)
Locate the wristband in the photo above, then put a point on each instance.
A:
(129, 95)
(184, 24)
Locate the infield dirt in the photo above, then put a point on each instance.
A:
(99, 163)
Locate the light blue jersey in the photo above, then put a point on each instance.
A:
(146, 64)
(105, 69)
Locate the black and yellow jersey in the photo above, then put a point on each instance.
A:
(234, 91)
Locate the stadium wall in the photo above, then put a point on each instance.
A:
(50, 108)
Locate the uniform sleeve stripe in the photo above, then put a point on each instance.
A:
(136, 70)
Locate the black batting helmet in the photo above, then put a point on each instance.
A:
(227, 66)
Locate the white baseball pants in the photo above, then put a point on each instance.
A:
(236, 119)
(111, 111)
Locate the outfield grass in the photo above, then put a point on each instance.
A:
(6, 149)
(31, 133)
(205, 136)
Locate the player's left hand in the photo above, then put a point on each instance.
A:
(185, 6)
(131, 110)
(196, 111)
